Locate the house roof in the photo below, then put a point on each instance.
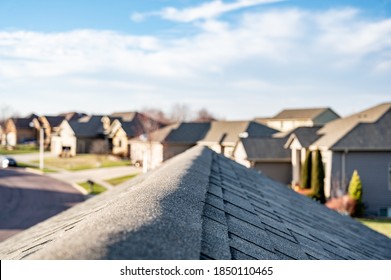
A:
(198, 205)
(305, 135)
(54, 121)
(307, 113)
(188, 133)
(139, 124)
(125, 116)
(24, 123)
(369, 129)
(72, 116)
(161, 134)
(180, 133)
(265, 149)
(88, 126)
(228, 132)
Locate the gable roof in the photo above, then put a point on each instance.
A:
(135, 124)
(54, 121)
(228, 132)
(180, 133)
(306, 113)
(265, 149)
(366, 125)
(24, 123)
(88, 126)
(305, 135)
(125, 116)
(199, 205)
(187, 133)
(72, 116)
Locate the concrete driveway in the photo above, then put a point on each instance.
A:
(27, 199)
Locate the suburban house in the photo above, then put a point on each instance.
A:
(88, 134)
(360, 142)
(21, 130)
(267, 155)
(223, 136)
(166, 142)
(289, 119)
(51, 125)
(128, 125)
(299, 142)
(199, 206)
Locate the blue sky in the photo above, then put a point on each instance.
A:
(238, 58)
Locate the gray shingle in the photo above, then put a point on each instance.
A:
(199, 205)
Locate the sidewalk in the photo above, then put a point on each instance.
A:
(96, 175)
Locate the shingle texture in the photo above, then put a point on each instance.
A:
(310, 113)
(199, 205)
(265, 148)
(54, 121)
(188, 133)
(368, 124)
(88, 126)
(227, 132)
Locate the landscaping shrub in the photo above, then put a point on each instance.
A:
(355, 192)
(305, 178)
(317, 177)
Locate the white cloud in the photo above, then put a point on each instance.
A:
(205, 11)
(277, 52)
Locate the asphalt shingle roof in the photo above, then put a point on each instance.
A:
(305, 135)
(365, 124)
(24, 123)
(199, 205)
(227, 132)
(88, 126)
(265, 148)
(308, 113)
(55, 121)
(187, 133)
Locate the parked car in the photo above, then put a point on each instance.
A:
(7, 161)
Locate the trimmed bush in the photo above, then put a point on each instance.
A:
(355, 187)
(317, 177)
(355, 193)
(305, 178)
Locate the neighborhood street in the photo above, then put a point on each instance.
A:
(27, 199)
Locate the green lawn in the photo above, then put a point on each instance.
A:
(83, 162)
(119, 180)
(96, 188)
(33, 166)
(20, 149)
(380, 225)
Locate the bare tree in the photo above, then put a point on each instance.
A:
(203, 115)
(5, 113)
(156, 114)
(180, 113)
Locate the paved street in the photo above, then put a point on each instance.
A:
(27, 199)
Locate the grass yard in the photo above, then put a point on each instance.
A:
(96, 188)
(380, 225)
(20, 149)
(119, 180)
(33, 166)
(83, 162)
